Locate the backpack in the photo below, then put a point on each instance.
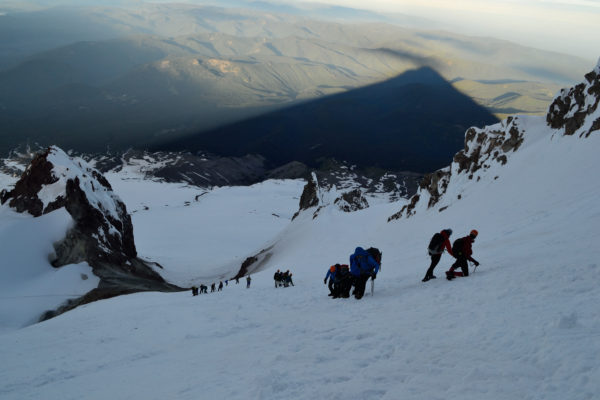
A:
(458, 246)
(360, 262)
(436, 243)
(375, 253)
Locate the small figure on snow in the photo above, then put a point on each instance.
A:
(438, 242)
(462, 251)
(331, 272)
(194, 291)
(220, 286)
(212, 287)
(248, 280)
(277, 278)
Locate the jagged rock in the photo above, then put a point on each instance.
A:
(570, 109)
(352, 201)
(254, 263)
(309, 197)
(102, 233)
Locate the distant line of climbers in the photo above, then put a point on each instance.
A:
(204, 289)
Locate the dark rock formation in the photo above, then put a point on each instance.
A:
(254, 263)
(309, 196)
(352, 201)
(571, 108)
(102, 234)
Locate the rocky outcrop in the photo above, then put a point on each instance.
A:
(483, 148)
(571, 109)
(102, 233)
(352, 201)
(574, 111)
(309, 197)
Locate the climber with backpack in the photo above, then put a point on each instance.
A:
(438, 242)
(343, 282)
(331, 272)
(462, 251)
(364, 264)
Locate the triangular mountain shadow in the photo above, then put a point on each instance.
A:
(415, 121)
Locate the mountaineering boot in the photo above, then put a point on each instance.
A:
(450, 275)
(425, 279)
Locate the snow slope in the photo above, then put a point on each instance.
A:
(525, 325)
(29, 285)
(203, 236)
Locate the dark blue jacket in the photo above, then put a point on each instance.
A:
(361, 262)
(330, 274)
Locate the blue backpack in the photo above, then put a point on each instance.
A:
(364, 262)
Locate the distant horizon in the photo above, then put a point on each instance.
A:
(569, 27)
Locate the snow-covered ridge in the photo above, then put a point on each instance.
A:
(574, 111)
(96, 189)
(101, 233)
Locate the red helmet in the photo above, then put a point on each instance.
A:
(474, 233)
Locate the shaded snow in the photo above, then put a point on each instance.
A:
(29, 285)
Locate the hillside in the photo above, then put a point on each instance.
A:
(133, 76)
(524, 325)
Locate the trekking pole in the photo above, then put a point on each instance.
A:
(474, 268)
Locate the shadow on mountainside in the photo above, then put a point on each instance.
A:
(415, 121)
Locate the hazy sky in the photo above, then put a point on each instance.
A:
(560, 25)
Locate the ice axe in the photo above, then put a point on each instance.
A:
(372, 287)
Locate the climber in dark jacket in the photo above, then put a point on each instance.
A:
(343, 282)
(438, 243)
(277, 278)
(465, 252)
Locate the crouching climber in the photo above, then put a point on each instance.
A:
(462, 251)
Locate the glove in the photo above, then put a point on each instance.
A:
(325, 281)
(373, 276)
(476, 263)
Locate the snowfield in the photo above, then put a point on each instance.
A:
(525, 325)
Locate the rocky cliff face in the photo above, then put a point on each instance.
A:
(352, 201)
(102, 233)
(574, 111)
